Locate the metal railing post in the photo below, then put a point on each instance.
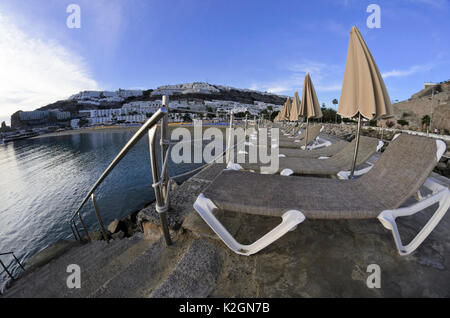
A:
(165, 144)
(161, 182)
(99, 218)
(6, 270)
(84, 227)
(78, 237)
(230, 137)
(18, 262)
(161, 206)
(6, 267)
(152, 122)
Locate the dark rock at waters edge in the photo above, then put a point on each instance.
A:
(96, 236)
(119, 235)
(113, 227)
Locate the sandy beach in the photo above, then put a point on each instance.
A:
(91, 130)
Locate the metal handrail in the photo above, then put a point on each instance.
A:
(6, 268)
(146, 128)
(161, 177)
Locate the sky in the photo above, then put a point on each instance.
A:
(264, 45)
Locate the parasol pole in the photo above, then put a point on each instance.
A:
(356, 146)
(307, 126)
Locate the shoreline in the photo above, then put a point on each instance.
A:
(90, 130)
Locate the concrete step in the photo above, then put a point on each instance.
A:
(106, 267)
(196, 273)
(50, 280)
(147, 271)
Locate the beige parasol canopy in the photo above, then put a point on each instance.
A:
(295, 108)
(363, 90)
(285, 110)
(310, 107)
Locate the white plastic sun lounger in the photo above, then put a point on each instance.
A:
(397, 175)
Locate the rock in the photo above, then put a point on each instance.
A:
(96, 236)
(119, 235)
(173, 185)
(151, 231)
(441, 166)
(113, 227)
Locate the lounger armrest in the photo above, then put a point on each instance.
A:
(286, 172)
(205, 208)
(440, 195)
(234, 166)
(380, 145)
(345, 175)
(321, 143)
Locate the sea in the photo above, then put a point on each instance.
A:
(43, 181)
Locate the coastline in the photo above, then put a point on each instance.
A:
(88, 130)
(116, 128)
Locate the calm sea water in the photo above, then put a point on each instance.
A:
(42, 182)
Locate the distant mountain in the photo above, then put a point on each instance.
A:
(197, 91)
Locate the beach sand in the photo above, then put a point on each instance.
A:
(113, 129)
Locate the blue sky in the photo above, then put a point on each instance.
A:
(259, 44)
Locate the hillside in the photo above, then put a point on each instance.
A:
(190, 91)
(419, 105)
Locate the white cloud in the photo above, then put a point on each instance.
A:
(36, 72)
(325, 77)
(402, 73)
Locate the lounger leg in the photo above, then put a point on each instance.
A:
(441, 195)
(290, 220)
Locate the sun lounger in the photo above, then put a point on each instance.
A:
(292, 133)
(315, 153)
(397, 175)
(339, 162)
(299, 141)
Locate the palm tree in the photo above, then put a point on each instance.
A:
(335, 102)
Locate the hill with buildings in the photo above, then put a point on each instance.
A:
(134, 106)
(190, 92)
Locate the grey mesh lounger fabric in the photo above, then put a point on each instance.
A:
(341, 161)
(397, 175)
(315, 153)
